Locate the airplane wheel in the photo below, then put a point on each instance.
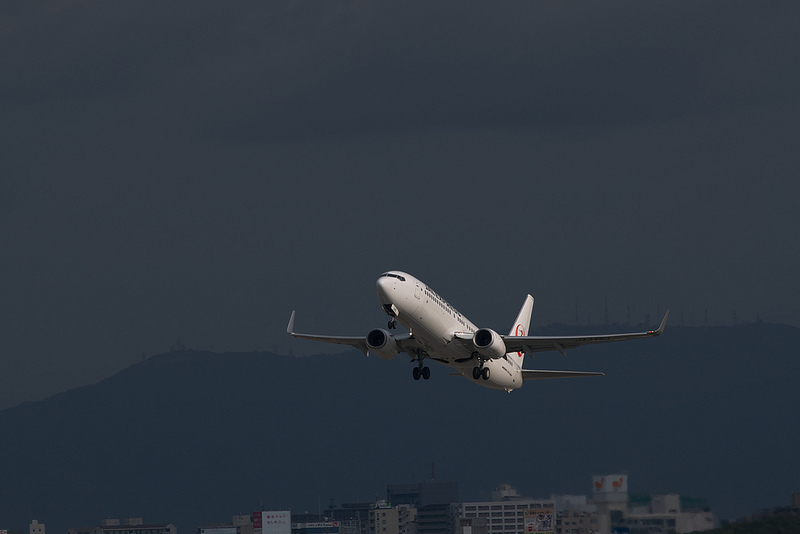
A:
(426, 372)
(416, 373)
(486, 373)
(476, 373)
(392, 325)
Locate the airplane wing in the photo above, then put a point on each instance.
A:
(531, 344)
(405, 342)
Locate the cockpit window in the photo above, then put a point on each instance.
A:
(392, 275)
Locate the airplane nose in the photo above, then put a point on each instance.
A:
(384, 288)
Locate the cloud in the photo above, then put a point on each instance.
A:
(414, 67)
(295, 70)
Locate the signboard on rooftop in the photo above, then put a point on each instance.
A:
(540, 521)
(275, 522)
(610, 484)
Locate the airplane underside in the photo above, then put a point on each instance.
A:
(490, 374)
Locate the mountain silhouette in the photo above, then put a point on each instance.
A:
(193, 437)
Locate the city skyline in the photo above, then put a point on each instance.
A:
(577, 505)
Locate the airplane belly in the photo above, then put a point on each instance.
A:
(428, 325)
(502, 374)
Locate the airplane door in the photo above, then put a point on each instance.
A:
(417, 290)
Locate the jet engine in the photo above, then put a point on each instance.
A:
(382, 343)
(489, 344)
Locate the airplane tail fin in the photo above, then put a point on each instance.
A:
(521, 325)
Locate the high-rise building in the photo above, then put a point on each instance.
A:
(433, 502)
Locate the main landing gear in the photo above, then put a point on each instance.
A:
(392, 324)
(421, 371)
(481, 372)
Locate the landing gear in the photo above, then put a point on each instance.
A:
(392, 324)
(422, 372)
(481, 372)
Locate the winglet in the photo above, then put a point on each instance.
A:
(661, 327)
(290, 326)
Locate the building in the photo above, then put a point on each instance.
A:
(272, 522)
(472, 525)
(618, 511)
(610, 493)
(217, 529)
(422, 494)
(510, 515)
(316, 527)
(577, 515)
(577, 522)
(240, 524)
(662, 514)
(384, 520)
(353, 518)
(133, 525)
(434, 503)
(777, 511)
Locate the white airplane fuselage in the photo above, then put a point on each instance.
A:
(434, 323)
(437, 331)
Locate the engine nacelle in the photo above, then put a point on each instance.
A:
(382, 343)
(489, 344)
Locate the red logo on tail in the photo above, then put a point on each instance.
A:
(519, 331)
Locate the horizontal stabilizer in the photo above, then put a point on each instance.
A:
(539, 374)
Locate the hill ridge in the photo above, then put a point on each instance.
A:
(192, 437)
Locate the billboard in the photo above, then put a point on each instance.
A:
(610, 484)
(540, 520)
(278, 522)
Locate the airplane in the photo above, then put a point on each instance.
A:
(439, 332)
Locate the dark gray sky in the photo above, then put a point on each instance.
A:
(199, 169)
